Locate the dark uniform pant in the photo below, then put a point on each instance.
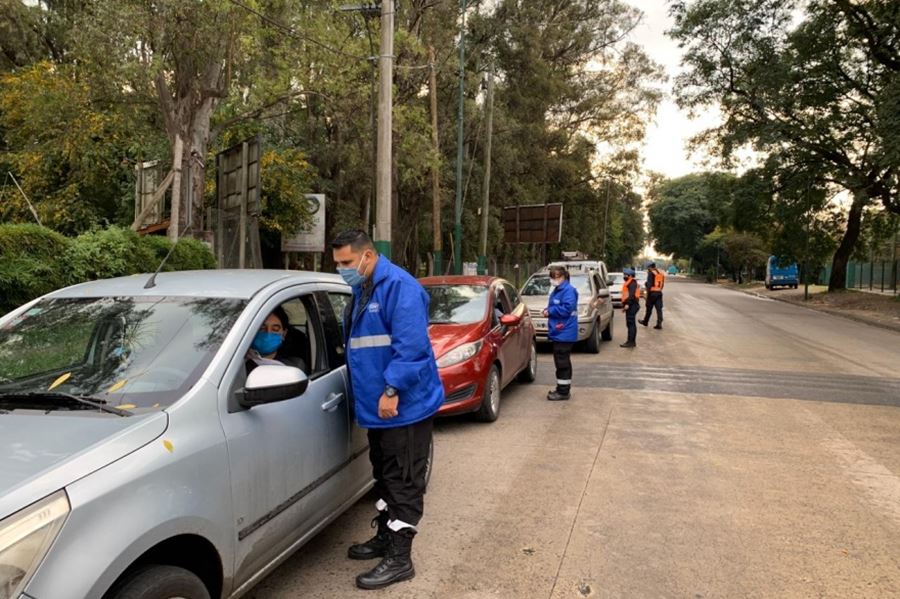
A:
(399, 459)
(562, 359)
(654, 300)
(630, 317)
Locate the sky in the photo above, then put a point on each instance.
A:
(665, 144)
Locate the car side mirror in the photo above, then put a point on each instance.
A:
(270, 383)
(510, 320)
(610, 281)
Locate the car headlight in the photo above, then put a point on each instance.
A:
(456, 355)
(584, 310)
(25, 538)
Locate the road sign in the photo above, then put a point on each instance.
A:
(537, 223)
(311, 238)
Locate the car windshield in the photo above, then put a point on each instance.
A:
(142, 352)
(457, 304)
(540, 285)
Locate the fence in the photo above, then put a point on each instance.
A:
(872, 276)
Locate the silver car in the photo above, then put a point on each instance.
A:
(595, 311)
(140, 459)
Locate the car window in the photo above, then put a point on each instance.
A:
(512, 295)
(138, 350)
(456, 304)
(333, 324)
(339, 303)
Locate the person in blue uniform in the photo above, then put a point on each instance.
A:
(396, 391)
(562, 329)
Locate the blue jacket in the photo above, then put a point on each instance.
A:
(387, 343)
(563, 314)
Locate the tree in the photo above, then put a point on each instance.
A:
(818, 96)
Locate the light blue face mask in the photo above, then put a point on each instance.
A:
(351, 275)
(266, 343)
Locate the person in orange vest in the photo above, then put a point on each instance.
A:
(631, 305)
(655, 282)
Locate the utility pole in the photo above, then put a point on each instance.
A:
(435, 170)
(385, 107)
(482, 257)
(605, 222)
(457, 226)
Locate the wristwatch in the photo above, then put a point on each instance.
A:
(390, 391)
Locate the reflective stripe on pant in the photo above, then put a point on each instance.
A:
(562, 359)
(399, 459)
(630, 318)
(654, 300)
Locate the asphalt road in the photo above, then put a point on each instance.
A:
(749, 449)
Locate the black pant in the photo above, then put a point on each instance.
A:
(562, 358)
(631, 311)
(654, 300)
(399, 459)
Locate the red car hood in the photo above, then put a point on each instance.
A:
(445, 337)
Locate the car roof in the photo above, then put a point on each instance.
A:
(225, 283)
(459, 280)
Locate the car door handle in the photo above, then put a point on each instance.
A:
(333, 401)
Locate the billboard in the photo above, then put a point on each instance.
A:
(312, 238)
(537, 223)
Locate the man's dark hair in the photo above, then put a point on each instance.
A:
(355, 238)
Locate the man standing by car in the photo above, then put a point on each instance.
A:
(655, 281)
(562, 329)
(631, 304)
(396, 391)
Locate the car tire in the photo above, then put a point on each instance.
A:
(593, 342)
(159, 582)
(607, 333)
(490, 402)
(529, 373)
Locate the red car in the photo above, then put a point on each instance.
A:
(483, 339)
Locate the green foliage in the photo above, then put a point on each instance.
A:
(684, 210)
(35, 260)
(30, 263)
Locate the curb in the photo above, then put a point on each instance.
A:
(890, 326)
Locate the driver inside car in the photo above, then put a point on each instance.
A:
(267, 346)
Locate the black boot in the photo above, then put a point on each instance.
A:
(395, 567)
(658, 326)
(561, 393)
(644, 322)
(629, 344)
(377, 546)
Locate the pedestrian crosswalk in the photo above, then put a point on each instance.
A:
(738, 382)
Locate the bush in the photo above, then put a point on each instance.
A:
(30, 263)
(107, 253)
(35, 260)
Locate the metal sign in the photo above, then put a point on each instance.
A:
(312, 237)
(537, 223)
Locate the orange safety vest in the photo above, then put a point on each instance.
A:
(625, 290)
(659, 279)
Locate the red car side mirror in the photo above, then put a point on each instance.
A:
(510, 320)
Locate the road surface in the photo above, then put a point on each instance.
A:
(749, 449)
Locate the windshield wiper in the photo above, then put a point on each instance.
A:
(38, 400)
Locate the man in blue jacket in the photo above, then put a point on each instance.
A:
(396, 390)
(562, 329)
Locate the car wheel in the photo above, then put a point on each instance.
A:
(530, 372)
(593, 342)
(159, 582)
(490, 403)
(608, 331)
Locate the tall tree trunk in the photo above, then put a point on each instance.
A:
(838, 278)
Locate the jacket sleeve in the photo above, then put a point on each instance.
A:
(568, 302)
(410, 345)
